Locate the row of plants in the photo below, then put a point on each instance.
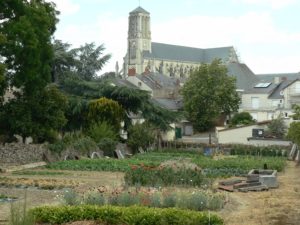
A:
(274, 151)
(47, 184)
(38, 173)
(164, 176)
(196, 200)
(104, 164)
(132, 215)
(241, 162)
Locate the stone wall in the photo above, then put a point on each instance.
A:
(19, 154)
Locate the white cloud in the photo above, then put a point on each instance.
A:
(66, 7)
(254, 34)
(274, 4)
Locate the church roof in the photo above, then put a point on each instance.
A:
(245, 78)
(139, 10)
(187, 54)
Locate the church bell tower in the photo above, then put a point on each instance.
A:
(138, 41)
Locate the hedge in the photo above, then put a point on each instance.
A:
(113, 215)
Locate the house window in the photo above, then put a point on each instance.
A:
(255, 102)
(286, 115)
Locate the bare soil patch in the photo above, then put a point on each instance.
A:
(274, 207)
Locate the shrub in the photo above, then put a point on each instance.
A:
(122, 215)
(140, 135)
(70, 197)
(242, 118)
(102, 130)
(94, 198)
(170, 200)
(107, 145)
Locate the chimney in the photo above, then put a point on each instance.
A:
(277, 80)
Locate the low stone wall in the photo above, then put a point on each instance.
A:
(19, 154)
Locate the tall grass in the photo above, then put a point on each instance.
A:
(19, 214)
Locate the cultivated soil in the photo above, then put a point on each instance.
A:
(274, 207)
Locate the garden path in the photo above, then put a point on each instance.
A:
(274, 207)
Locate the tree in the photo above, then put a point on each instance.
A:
(277, 128)
(294, 132)
(37, 116)
(242, 118)
(140, 135)
(90, 60)
(64, 61)
(208, 93)
(27, 27)
(105, 110)
(296, 115)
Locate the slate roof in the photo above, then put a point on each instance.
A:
(284, 84)
(270, 77)
(245, 78)
(170, 104)
(157, 80)
(187, 54)
(139, 10)
(122, 83)
(261, 90)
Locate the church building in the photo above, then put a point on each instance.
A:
(145, 57)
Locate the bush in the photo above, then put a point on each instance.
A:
(122, 215)
(147, 176)
(242, 118)
(140, 135)
(102, 130)
(170, 200)
(107, 145)
(70, 197)
(94, 198)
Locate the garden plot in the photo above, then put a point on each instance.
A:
(109, 175)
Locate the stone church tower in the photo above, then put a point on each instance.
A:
(138, 41)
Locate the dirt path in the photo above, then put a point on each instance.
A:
(274, 207)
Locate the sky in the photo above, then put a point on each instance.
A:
(265, 33)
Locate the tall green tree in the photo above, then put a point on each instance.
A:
(39, 116)
(27, 27)
(64, 61)
(296, 109)
(208, 93)
(294, 132)
(91, 60)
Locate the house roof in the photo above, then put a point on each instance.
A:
(270, 77)
(276, 92)
(170, 104)
(157, 80)
(187, 54)
(139, 10)
(122, 83)
(245, 78)
(261, 90)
